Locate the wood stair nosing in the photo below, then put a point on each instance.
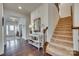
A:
(64, 26)
(63, 31)
(63, 38)
(62, 35)
(67, 21)
(67, 41)
(61, 23)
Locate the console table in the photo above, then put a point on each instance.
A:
(36, 40)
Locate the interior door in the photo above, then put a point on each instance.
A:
(20, 30)
(10, 30)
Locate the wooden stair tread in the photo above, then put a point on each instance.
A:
(61, 46)
(63, 28)
(59, 51)
(59, 42)
(65, 21)
(63, 38)
(62, 35)
(67, 41)
(67, 32)
(64, 24)
(64, 31)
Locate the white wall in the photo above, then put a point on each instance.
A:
(28, 21)
(41, 12)
(75, 8)
(76, 15)
(1, 39)
(23, 19)
(64, 10)
(53, 18)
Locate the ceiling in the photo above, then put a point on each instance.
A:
(27, 8)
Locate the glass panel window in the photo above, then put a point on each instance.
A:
(11, 28)
(7, 29)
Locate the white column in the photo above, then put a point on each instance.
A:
(75, 39)
(1, 39)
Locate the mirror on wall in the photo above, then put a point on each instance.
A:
(37, 25)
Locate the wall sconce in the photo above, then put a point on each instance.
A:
(31, 25)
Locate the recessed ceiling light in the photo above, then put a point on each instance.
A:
(20, 7)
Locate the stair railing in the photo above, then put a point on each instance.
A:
(76, 28)
(57, 5)
(44, 41)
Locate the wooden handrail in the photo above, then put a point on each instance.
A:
(75, 28)
(57, 5)
(45, 30)
(44, 46)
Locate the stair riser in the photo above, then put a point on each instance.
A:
(64, 25)
(63, 29)
(67, 21)
(69, 34)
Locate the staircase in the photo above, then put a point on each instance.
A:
(61, 43)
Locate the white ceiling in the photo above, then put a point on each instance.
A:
(26, 7)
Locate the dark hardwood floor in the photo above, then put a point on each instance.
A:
(20, 47)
